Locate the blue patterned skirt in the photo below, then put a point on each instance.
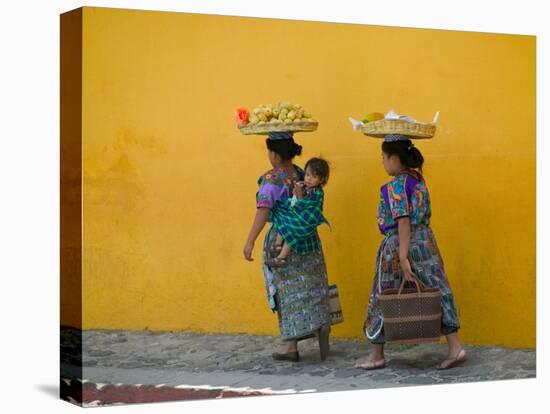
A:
(426, 263)
(297, 291)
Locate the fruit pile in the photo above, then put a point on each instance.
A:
(280, 113)
(373, 116)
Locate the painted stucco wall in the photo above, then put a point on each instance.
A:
(169, 183)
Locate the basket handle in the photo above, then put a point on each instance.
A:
(416, 281)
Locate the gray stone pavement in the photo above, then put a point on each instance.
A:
(244, 362)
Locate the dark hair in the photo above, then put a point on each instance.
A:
(408, 154)
(285, 148)
(319, 167)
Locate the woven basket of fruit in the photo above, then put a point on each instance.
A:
(266, 127)
(379, 129)
(377, 125)
(282, 116)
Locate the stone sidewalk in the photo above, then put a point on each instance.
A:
(219, 366)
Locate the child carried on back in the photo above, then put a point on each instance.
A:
(297, 219)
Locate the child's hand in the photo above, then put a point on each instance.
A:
(298, 189)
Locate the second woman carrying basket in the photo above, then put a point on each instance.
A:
(408, 250)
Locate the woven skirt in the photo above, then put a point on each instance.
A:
(297, 291)
(426, 263)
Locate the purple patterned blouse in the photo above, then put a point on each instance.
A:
(276, 184)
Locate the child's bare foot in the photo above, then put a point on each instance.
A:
(276, 248)
(276, 262)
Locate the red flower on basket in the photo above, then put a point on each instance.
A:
(241, 115)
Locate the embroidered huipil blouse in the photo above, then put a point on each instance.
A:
(405, 195)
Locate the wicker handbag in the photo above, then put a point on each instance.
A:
(411, 315)
(335, 309)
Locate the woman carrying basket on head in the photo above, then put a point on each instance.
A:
(298, 291)
(408, 250)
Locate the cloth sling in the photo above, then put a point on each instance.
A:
(297, 225)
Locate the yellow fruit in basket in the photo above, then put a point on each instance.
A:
(287, 121)
(297, 120)
(268, 112)
(275, 121)
(286, 105)
(262, 117)
(253, 119)
(297, 106)
(373, 116)
(276, 112)
(299, 113)
(306, 115)
(291, 115)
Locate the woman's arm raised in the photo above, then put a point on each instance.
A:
(260, 219)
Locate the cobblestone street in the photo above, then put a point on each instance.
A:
(154, 366)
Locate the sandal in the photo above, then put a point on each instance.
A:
(276, 262)
(370, 364)
(287, 356)
(453, 362)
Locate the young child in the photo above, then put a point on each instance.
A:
(300, 216)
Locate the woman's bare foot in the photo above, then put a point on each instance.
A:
(291, 346)
(453, 359)
(456, 355)
(371, 362)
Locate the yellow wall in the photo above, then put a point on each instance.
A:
(169, 183)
